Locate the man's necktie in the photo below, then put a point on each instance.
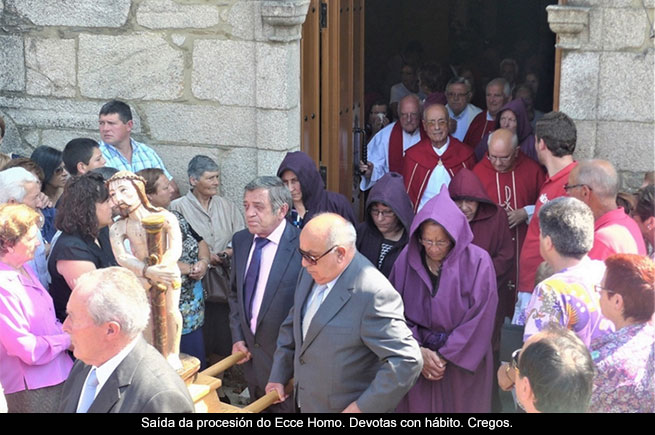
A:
(250, 283)
(89, 393)
(312, 307)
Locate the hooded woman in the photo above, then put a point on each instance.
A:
(488, 222)
(298, 171)
(448, 286)
(385, 230)
(514, 117)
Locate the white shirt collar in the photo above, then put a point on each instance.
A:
(105, 370)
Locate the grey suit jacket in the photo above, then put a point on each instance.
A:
(142, 383)
(277, 301)
(358, 346)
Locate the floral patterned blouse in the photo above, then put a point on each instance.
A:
(568, 298)
(625, 364)
(192, 300)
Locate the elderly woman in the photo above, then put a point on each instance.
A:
(215, 219)
(33, 361)
(513, 117)
(385, 231)
(193, 265)
(625, 359)
(84, 213)
(448, 286)
(54, 176)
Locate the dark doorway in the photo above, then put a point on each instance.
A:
(472, 35)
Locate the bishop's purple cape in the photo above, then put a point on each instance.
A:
(314, 196)
(457, 322)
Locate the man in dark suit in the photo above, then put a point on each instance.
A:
(345, 342)
(266, 264)
(116, 371)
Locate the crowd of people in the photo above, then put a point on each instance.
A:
(474, 219)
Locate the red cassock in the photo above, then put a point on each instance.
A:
(478, 128)
(421, 159)
(513, 190)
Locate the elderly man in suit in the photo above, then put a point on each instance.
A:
(265, 270)
(345, 341)
(116, 371)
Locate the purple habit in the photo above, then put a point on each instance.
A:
(458, 321)
(314, 196)
(390, 191)
(524, 131)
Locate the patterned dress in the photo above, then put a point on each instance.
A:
(625, 364)
(568, 298)
(192, 300)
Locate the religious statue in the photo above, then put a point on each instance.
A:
(154, 245)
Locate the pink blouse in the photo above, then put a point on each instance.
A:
(32, 341)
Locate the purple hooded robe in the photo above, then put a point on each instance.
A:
(457, 322)
(314, 196)
(390, 191)
(523, 131)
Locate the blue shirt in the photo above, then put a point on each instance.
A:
(143, 157)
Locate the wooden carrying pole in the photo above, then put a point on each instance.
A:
(153, 225)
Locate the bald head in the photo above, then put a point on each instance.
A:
(503, 149)
(327, 243)
(409, 112)
(600, 176)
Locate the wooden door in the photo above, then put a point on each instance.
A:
(333, 91)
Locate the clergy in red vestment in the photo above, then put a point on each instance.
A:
(512, 180)
(596, 183)
(556, 137)
(497, 95)
(432, 162)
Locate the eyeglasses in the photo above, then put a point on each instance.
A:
(502, 159)
(441, 244)
(409, 115)
(568, 186)
(440, 123)
(313, 260)
(598, 289)
(384, 213)
(456, 95)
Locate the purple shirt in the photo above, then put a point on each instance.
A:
(32, 341)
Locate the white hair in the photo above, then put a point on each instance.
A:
(12, 184)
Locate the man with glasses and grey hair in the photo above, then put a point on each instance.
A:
(345, 341)
(263, 282)
(387, 149)
(460, 109)
(596, 183)
(512, 180)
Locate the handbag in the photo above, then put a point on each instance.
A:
(216, 282)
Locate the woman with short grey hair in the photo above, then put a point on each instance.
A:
(215, 219)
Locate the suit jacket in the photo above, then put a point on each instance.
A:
(142, 383)
(357, 347)
(277, 301)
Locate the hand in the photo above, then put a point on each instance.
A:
(506, 378)
(434, 368)
(352, 409)
(366, 169)
(274, 386)
(42, 201)
(516, 217)
(240, 346)
(185, 268)
(161, 273)
(199, 270)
